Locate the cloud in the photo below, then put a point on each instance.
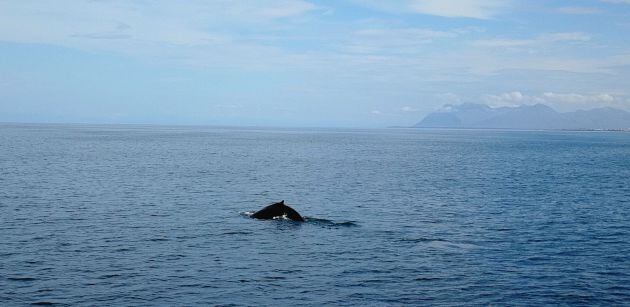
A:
(575, 101)
(158, 21)
(514, 98)
(560, 101)
(395, 40)
(287, 9)
(448, 98)
(407, 33)
(206, 33)
(617, 1)
(103, 35)
(266, 34)
(579, 10)
(543, 39)
(578, 98)
(408, 109)
(478, 9)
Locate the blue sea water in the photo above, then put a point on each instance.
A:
(152, 215)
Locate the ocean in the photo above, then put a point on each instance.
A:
(117, 215)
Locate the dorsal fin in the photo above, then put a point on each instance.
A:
(282, 202)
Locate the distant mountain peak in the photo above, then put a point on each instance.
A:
(537, 116)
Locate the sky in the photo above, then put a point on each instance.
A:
(342, 63)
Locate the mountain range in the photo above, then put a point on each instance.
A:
(538, 116)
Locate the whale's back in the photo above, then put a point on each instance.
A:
(277, 210)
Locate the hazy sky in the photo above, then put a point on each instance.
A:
(362, 63)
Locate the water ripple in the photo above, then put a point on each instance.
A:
(150, 216)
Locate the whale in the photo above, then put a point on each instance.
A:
(277, 210)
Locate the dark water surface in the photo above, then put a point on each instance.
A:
(132, 215)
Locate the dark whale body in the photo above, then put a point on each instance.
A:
(277, 210)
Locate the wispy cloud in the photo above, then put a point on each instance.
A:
(561, 101)
(579, 10)
(505, 99)
(396, 56)
(394, 40)
(478, 9)
(617, 1)
(196, 33)
(286, 9)
(156, 21)
(448, 98)
(539, 40)
(408, 109)
(601, 98)
(481, 9)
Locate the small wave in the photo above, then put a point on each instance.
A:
(237, 233)
(310, 220)
(124, 249)
(158, 239)
(427, 278)
(43, 303)
(108, 276)
(275, 277)
(422, 239)
(185, 237)
(329, 223)
(247, 213)
(19, 278)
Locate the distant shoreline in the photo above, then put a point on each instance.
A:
(510, 129)
(148, 125)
